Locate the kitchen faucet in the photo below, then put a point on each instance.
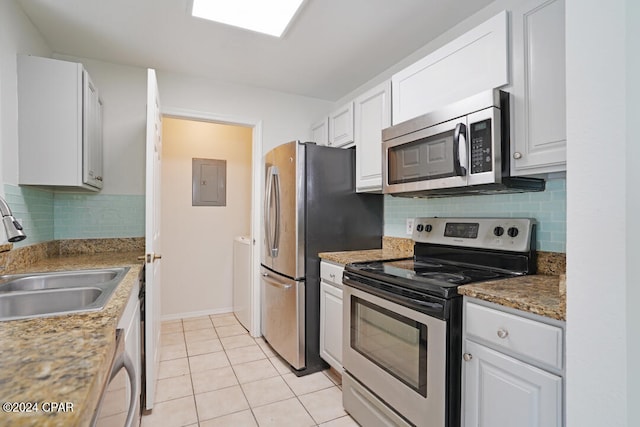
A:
(12, 227)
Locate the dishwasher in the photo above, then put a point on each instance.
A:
(117, 406)
(119, 403)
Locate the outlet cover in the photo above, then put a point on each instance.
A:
(410, 226)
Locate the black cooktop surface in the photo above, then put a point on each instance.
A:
(430, 276)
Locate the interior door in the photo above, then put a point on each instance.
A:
(152, 238)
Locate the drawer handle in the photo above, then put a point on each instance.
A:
(333, 276)
(503, 333)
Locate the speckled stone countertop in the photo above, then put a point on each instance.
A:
(63, 358)
(537, 293)
(392, 248)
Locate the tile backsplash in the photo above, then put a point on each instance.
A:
(34, 209)
(47, 216)
(549, 208)
(50, 216)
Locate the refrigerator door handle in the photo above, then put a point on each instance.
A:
(273, 182)
(267, 210)
(276, 237)
(274, 282)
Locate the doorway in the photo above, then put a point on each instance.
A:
(198, 240)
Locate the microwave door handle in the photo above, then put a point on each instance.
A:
(458, 134)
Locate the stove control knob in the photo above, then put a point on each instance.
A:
(498, 231)
(419, 228)
(428, 228)
(512, 232)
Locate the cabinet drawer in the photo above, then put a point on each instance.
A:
(331, 273)
(537, 341)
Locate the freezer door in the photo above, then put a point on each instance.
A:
(283, 316)
(283, 222)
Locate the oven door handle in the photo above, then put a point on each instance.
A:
(459, 133)
(431, 305)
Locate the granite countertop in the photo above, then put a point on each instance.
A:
(538, 294)
(347, 257)
(63, 358)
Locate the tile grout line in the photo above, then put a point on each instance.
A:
(254, 341)
(193, 390)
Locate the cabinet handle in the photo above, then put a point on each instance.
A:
(517, 155)
(333, 276)
(467, 357)
(503, 333)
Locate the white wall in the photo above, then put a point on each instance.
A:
(633, 210)
(17, 35)
(602, 254)
(284, 117)
(197, 241)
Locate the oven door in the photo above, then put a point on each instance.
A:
(430, 158)
(396, 353)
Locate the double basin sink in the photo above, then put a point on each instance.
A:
(24, 296)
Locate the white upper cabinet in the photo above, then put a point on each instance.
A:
(341, 126)
(60, 125)
(538, 101)
(320, 132)
(472, 63)
(372, 114)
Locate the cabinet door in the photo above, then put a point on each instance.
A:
(500, 391)
(470, 64)
(341, 126)
(92, 134)
(372, 114)
(320, 132)
(331, 325)
(539, 101)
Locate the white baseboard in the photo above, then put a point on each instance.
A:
(190, 314)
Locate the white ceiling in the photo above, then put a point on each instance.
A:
(331, 48)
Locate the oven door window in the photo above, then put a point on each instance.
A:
(395, 343)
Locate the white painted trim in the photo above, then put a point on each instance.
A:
(256, 200)
(192, 314)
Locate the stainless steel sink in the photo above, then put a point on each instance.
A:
(62, 292)
(56, 280)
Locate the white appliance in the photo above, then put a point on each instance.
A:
(242, 280)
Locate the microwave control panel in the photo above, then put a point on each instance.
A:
(481, 155)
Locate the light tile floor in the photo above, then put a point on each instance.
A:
(213, 373)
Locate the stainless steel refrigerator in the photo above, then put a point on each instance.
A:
(310, 206)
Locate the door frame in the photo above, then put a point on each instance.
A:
(256, 194)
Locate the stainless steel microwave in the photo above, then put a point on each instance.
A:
(463, 148)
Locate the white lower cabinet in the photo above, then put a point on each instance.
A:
(504, 385)
(501, 391)
(331, 314)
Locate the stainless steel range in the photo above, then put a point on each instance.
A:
(403, 318)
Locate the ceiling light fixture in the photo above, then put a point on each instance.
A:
(268, 17)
